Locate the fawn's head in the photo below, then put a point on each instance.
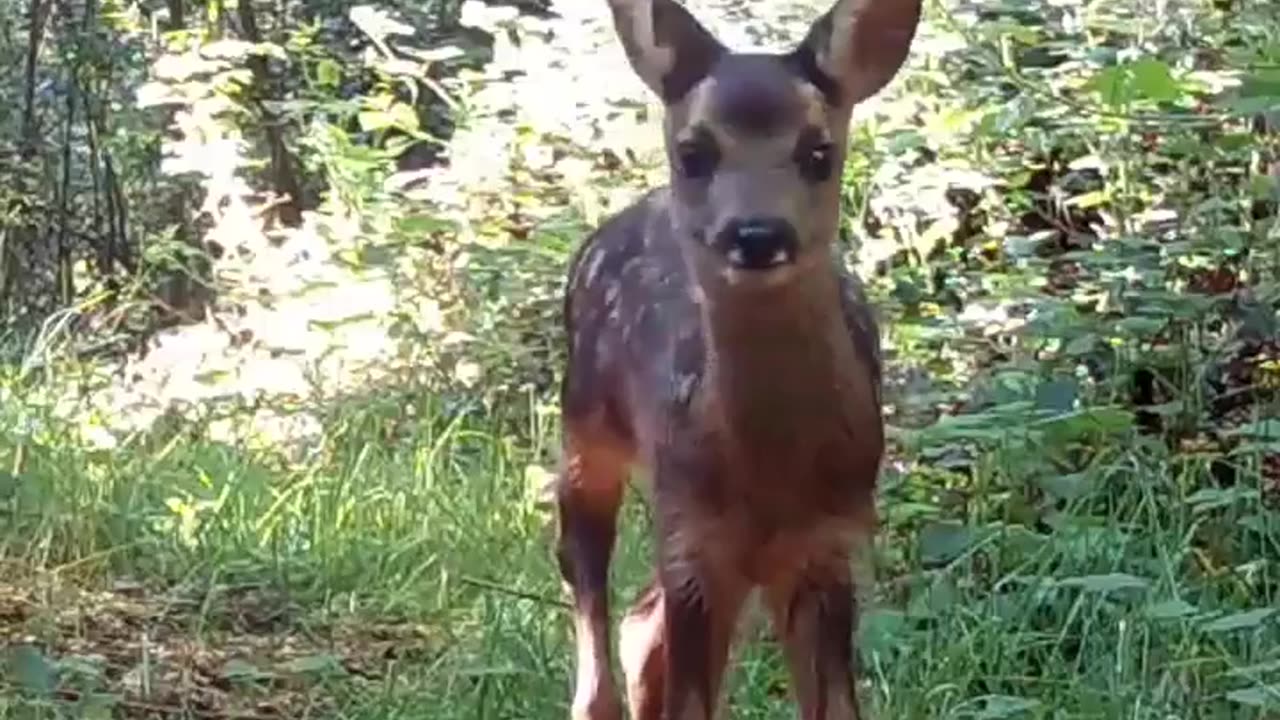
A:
(756, 141)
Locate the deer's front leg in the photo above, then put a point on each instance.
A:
(588, 495)
(698, 623)
(701, 597)
(814, 615)
(643, 654)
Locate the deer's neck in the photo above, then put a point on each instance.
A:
(778, 362)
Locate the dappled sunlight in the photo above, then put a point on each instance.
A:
(279, 455)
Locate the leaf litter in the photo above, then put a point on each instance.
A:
(251, 653)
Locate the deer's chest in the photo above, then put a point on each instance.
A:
(782, 463)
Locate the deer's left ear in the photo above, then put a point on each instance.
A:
(857, 47)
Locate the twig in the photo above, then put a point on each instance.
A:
(513, 592)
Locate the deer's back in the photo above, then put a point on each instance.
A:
(632, 325)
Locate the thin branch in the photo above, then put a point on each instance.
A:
(515, 593)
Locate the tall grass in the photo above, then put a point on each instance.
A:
(1145, 594)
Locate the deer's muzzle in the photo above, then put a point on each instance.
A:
(758, 243)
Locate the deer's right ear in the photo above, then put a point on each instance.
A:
(667, 47)
(858, 46)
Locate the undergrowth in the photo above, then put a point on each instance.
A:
(1071, 220)
(1135, 587)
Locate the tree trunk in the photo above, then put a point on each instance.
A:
(26, 233)
(284, 177)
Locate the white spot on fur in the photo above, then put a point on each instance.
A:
(684, 387)
(603, 350)
(593, 267)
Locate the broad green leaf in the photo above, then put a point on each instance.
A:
(1169, 409)
(1153, 79)
(1145, 79)
(997, 707)
(1260, 523)
(32, 670)
(323, 665)
(993, 424)
(84, 669)
(1271, 447)
(96, 706)
(328, 73)
(1056, 395)
(419, 225)
(1112, 86)
(1250, 106)
(907, 511)
(237, 669)
(1141, 326)
(211, 377)
(373, 120)
(405, 117)
(1206, 499)
(1081, 345)
(941, 542)
(1075, 425)
(1088, 200)
(1106, 583)
(1268, 429)
(1262, 84)
(1248, 671)
(9, 484)
(880, 631)
(1065, 487)
(932, 600)
(1239, 621)
(1170, 609)
(1267, 697)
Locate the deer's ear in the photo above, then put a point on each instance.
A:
(857, 47)
(667, 47)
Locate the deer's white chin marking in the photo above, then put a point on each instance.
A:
(766, 278)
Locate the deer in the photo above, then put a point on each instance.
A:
(715, 340)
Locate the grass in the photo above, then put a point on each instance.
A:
(405, 571)
(432, 527)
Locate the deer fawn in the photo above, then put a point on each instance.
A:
(715, 339)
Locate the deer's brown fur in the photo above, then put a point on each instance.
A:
(748, 389)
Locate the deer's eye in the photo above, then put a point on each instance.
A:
(816, 159)
(698, 156)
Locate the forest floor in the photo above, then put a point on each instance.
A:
(1056, 543)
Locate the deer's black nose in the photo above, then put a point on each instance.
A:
(759, 243)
